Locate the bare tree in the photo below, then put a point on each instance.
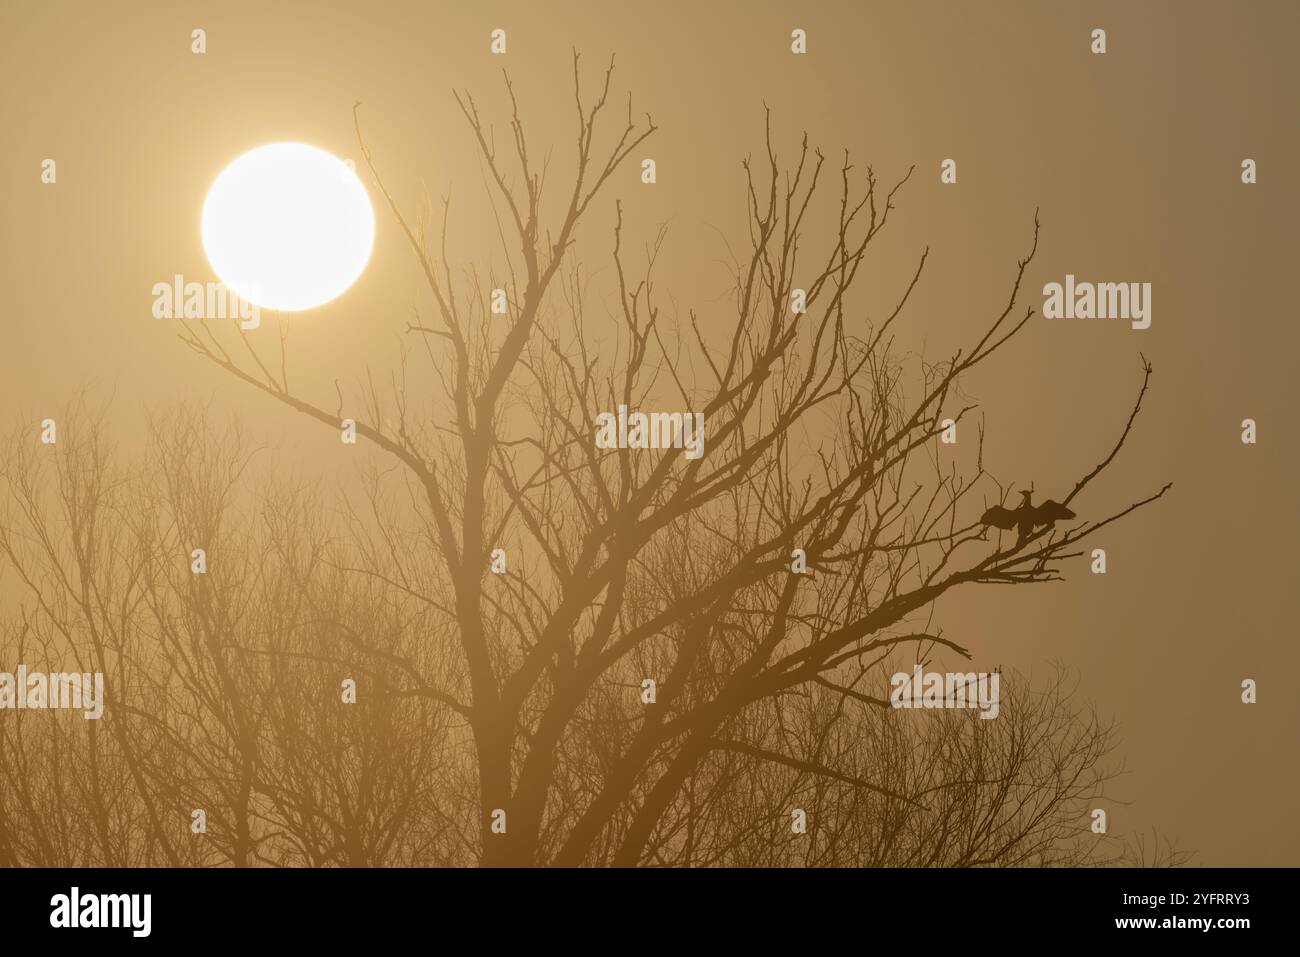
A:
(223, 687)
(628, 566)
(662, 566)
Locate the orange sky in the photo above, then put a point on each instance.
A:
(1131, 158)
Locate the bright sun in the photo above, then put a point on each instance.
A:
(288, 226)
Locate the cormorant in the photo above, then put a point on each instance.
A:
(1026, 517)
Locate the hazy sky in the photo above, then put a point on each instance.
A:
(1131, 158)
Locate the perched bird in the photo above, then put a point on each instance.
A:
(1026, 517)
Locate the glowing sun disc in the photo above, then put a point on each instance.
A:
(288, 226)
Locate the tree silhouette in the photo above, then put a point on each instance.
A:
(526, 692)
(222, 688)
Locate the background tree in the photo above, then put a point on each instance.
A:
(223, 688)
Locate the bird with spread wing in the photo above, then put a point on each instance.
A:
(1026, 517)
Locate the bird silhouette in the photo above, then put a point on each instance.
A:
(1026, 517)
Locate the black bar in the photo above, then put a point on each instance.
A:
(452, 909)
